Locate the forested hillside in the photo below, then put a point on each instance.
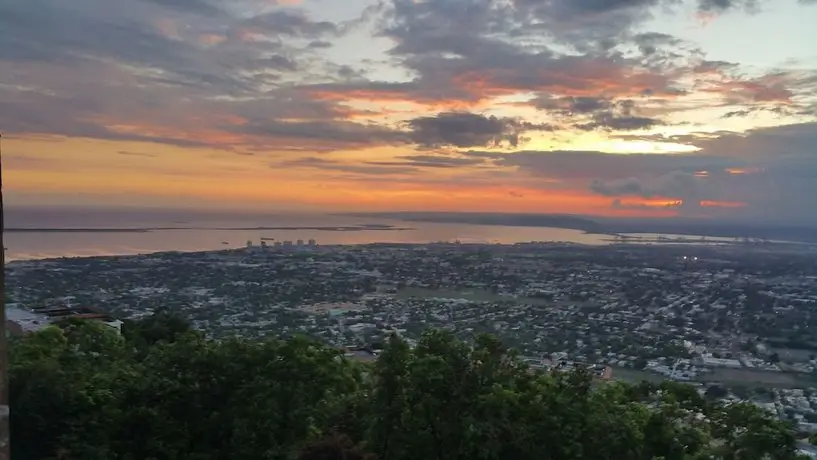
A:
(162, 392)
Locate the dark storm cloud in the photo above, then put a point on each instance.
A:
(462, 129)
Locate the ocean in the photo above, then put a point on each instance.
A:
(170, 230)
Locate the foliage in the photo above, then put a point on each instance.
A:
(161, 391)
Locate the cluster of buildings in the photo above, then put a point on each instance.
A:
(712, 315)
(279, 245)
(20, 321)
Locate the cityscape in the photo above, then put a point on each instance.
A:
(737, 320)
(408, 229)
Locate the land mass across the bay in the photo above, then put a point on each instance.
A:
(616, 226)
(329, 228)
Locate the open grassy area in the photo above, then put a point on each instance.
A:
(473, 295)
(794, 355)
(750, 377)
(635, 376)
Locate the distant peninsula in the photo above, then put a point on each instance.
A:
(616, 226)
(489, 218)
(346, 228)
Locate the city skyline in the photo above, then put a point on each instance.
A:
(704, 108)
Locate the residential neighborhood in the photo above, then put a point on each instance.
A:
(739, 321)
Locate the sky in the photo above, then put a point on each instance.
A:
(658, 108)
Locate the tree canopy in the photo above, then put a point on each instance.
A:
(161, 391)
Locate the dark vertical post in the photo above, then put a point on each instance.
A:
(5, 449)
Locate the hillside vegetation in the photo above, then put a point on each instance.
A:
(163, 392)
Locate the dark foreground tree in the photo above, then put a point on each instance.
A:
(335, 447)
(162, 392)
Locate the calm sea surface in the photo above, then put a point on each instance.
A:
(207, 236)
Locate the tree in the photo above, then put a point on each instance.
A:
(640, 363)
(335, 447)
(389, 398)
(161, 326)
(716, 392)
(82, 391)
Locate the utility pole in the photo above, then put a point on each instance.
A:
(5, 446)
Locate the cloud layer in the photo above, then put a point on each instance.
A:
(561, 96)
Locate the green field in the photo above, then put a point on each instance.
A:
(635, 376)
(751, 377)
(473, 295)
(744, 377)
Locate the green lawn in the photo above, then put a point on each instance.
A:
(634, 375)
(750, 377)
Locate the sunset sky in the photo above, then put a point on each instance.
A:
(700, 108)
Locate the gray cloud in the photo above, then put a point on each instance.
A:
(291, 22)
(88, 68)
(682, 185)
(586, 166)
(603, 113)
(609, 120)
(319, 135)
(198, 73)
(462, 129)
(773, 171)
(723, 5)
(430, 161)
(203, 7)
(329, 165)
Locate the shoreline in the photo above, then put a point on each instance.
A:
(633, 244)
(326, 228)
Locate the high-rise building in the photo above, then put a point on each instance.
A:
(312, 242)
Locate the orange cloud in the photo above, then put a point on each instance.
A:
(741, 171)
(212, 39)
(764, 89)
(722, 204)
(458, 89)
(168, 28)
(408, 96)
(654, 203)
